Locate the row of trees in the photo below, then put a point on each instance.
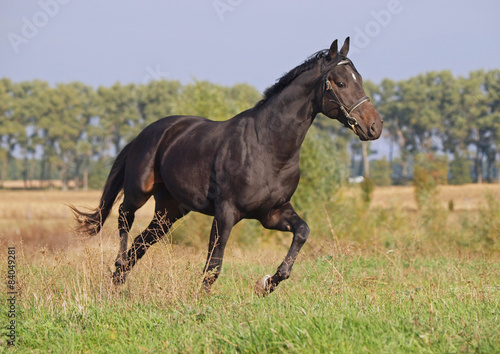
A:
(72, 130)
(437, 113)
(63, 131)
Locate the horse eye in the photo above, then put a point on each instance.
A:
(340, 84)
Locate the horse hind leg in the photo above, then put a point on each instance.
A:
(126, 218)
(167, 211)
(134, 198)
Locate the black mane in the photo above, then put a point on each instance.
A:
(287, 78)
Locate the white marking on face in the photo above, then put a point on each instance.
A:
(354, 77)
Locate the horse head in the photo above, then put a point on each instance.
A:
(344, 98)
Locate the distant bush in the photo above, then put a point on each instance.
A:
(428, 172)
(367, 187)
(460, 170)
(323, 169)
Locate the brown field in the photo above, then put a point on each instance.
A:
(42, 218)
(53, 183)
(464, 197)
(39, 218)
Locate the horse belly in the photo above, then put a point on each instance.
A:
(268, 194)
(185, 171)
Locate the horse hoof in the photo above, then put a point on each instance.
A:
(263, 286)
(119, 277)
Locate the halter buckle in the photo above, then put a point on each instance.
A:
(328, 85)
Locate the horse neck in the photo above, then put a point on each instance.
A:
(284, 121)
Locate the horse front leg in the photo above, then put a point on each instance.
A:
(219, 235)
(283, 219)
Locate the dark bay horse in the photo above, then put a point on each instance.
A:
(244, 168)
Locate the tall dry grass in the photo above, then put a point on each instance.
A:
(386, 277)
(42, 218)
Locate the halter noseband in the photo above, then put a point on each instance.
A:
(346, 110)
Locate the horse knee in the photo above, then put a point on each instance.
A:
(302, 232)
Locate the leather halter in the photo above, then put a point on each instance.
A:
(346, 110)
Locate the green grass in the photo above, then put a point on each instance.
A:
(353, 301)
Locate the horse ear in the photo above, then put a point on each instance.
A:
(333, 52)
(345, 47)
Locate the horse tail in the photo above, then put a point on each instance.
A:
(91, 223)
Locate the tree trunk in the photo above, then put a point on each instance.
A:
(402, 145)
(366, 163)
(25, 171)
(63, 177)
(5, 163)
(391, 151)
(404, 169)
(49, 175)
(85, 178)
(116, 142)
(31, 173)
(479, 167)
(77, 173)
(44, 176)
(490, 167)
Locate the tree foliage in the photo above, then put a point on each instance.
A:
(437, 112)
(72, 131)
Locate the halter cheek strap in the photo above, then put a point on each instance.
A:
(346, 110)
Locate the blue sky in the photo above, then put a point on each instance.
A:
(234, 41)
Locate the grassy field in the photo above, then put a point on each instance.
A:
(381, 278)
